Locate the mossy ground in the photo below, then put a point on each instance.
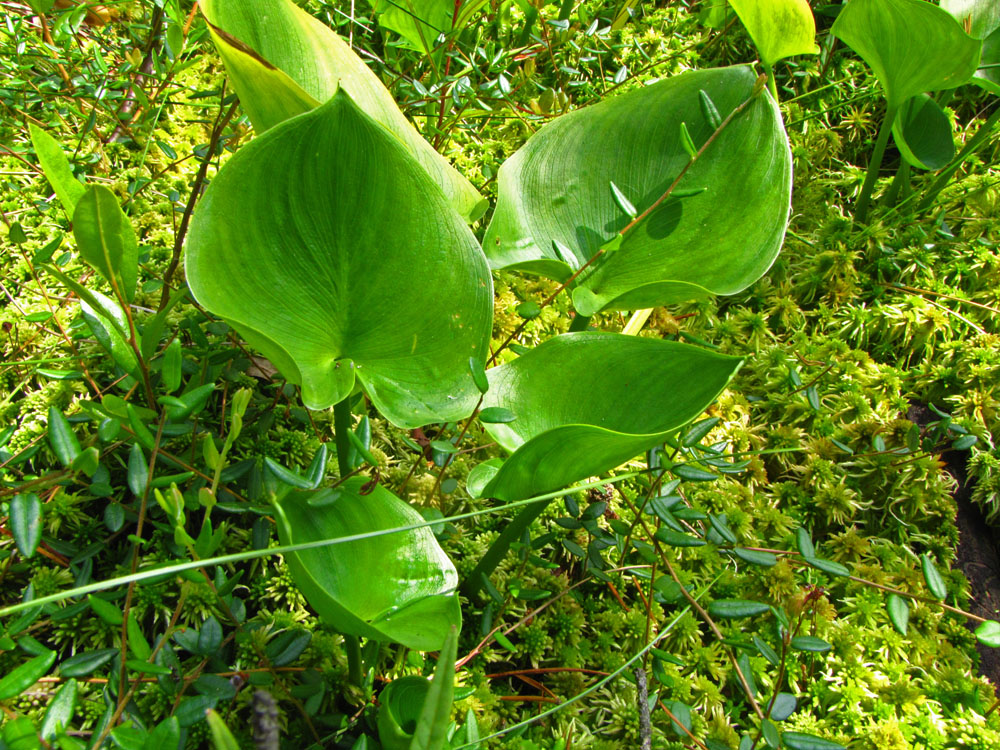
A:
(848, 330)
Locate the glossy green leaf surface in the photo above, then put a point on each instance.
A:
(988, 633)
(106, 239)
(922, 132)
(406, 594)
(912, 46)
(899, 612)
(57, 168)
(587, 402)
(346, 264)
(982, 20)
(283, 62)
(779, 28)
(555, 208)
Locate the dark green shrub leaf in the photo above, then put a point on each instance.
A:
(324, 306)
(678, 539)
(61, 438)
(770, 733)
(828, 566)
(756, 557)
(496, 415)
(681, 719)
(766, 651)
(110, 613)
(784, 706)
(730, 609)
(899, 612)
(800, 741)
(405, 598)
(933, 578)
(555, 189)
(20, 734)
(810, 643)
(86, 663)
(60, 710)
(22, 677)
(804, 543)
(26, 522)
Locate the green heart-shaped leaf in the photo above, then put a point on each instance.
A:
(587, 402)
(922, 132)
(406, 594)
(779, 28)
(332, 252)
(981, 18)
(556, 209)
(283, 62)
(910, 45)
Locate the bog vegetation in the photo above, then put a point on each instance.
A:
(433, 374)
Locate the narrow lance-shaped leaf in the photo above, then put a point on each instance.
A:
(57, 168)
(346, 264)
(106, 239)
(587, 402)
(715, 241)
(779, 28)
(406, 594)
(912, 46)
(283, 62)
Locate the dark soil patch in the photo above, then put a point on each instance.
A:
(978, 554)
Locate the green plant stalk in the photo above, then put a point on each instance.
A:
(861, 209)
(341, 428)
(355, 673)
(771, 85)
(900, 184)
(971, 146)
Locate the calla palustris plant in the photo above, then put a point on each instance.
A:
(421, 22)
(584, 403)
(332, 252)
(397, 587)
(779, 29)
(981, 19)
(717, 233)
(283, 62)
(912, 47)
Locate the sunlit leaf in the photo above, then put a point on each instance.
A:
(106, 239)
(406, 592)
(717, 241)
(912, 46)
(587, 402)
(283, 62)
(779, 28)
(347, 264)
